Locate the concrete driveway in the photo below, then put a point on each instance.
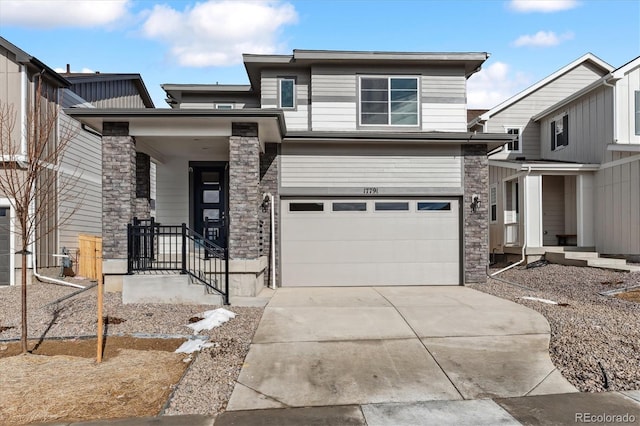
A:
(368, 345)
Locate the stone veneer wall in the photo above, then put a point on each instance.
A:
(244, 197)
(476, 224)
(269, 184)
(141, 206)
(118, 188)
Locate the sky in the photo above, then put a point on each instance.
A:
(191, 42)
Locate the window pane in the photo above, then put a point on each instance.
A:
(432, 205)
(373, 95)
(306, 207)
(392, 205)
(286, 94)
(404, 95)
(211, 196)
(374, 119)
(349, 207)
(404, 83)
(375, 107)
(374, 83)
(404, 107)
(3, 211)
(404, 119)
(494, 212)
(211, 214)
(210, 178)
(224, 106)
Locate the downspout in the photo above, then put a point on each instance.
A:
(524, 242)
(273, 238)
(615, 117)
(24, 88)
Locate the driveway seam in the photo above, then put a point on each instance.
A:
(422, 343)
(263, 394)
(541, 381)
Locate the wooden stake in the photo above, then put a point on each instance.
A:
(100, 325)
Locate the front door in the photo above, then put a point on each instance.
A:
(210, 202)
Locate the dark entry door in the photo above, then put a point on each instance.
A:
(210, 203)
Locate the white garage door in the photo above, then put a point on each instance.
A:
(361, 242)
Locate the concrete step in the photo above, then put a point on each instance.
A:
(173, 289)
(581, 255)
(603, 261)
(590, 259)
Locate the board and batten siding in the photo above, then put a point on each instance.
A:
(334, 97)
(10, 87)
(80, 207)
(617, 229)
(110, 94)
(519, 114)
(338, 166)
(590, 129)
(497, 177)
(625, 108)
(296, 118)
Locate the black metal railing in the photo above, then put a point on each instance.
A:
(156, 247)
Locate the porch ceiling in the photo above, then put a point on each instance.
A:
(179, 124)
(161, 148)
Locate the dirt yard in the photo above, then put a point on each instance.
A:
(134, 379)
(631, 296)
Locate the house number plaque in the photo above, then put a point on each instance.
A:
(370, 190)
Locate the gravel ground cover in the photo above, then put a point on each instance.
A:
(206, 386)
(595, 339)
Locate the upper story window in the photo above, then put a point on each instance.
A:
(389, 101)
(560, 132)
(638, 112)
(516, 145)
(287, 93)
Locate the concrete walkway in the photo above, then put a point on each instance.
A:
(355, 346)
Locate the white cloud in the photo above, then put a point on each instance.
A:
(494, 84)
(542, 39)
(84, 70)
(62, 13)
(216, 33)
(545, 6)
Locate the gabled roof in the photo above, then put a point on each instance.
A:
(33, 63)
(612, 77)
(588, 57)
(98, 77)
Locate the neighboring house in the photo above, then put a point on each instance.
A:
(363, 159)
(75, 208)
(571, 176)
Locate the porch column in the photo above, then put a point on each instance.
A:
(585, 210)
(142, 208)
(118, 189)
(533, 210)
(476, 224)
(244, 197)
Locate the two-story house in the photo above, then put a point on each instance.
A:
(75, 206)
(330, 168)
(571, 177)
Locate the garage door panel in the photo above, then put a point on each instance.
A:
(373, 274)
(372, 247)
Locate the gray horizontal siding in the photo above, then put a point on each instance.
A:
(408, 166)
(520, 113)
(297, 118)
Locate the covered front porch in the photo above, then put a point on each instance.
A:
(543, 207)
(216, 182)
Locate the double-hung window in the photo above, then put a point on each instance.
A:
(560, 132)
(389, 101)
(516, 144)
(287, 93)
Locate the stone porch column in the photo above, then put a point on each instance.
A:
(118, 189)
(476, 224)
(142, 208)
(244, 197)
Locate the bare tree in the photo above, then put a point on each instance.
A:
(30, 173)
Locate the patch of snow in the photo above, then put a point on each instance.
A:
(211, 319)
(191, 346)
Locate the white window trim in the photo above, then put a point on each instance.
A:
(295, 89)
(493, 188)
(389, 77)
(555, 119)
(6, 203)
(506, 145)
